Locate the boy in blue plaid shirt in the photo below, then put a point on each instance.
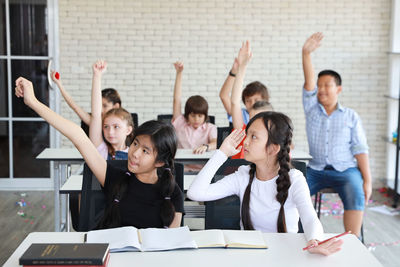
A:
(336, 141)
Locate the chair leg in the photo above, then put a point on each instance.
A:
(362, 233)
(319, 204)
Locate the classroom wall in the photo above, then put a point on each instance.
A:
(141, 39)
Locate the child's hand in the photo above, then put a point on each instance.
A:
(178, 66)
(200, 150)
(328, 248)
(313, 42)
(245, 54)
(24, 88)
(231, 142)
(54, 76)
(235, 66)
(99, 67)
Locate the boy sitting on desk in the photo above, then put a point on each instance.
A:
(336, 141)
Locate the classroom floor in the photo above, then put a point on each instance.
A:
(382, 234)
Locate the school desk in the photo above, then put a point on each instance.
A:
(283, 250)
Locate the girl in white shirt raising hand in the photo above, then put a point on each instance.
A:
(272, 195)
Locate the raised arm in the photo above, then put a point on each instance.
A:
(227, 87)
(201, 189)
(73, 132)
(83, 115)
(243, 59)
(311, 44)
(96, 129)
(176, 111)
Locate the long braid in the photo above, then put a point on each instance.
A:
(246, 220)
(283, 182)
(167, 186)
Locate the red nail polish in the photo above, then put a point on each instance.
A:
(57, 75)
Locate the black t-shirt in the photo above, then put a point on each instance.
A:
(141, 204)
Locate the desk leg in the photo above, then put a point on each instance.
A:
(68, 222)
(63, 177)
(56, 197)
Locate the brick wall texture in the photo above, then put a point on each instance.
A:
(141, 39)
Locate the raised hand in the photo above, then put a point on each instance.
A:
(328, 248)
(178, 66)
(55, 76)
(99, 67)
(230, 143)
(24, 88)
(313, 42)
(245, 54)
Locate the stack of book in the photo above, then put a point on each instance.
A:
(66, 254)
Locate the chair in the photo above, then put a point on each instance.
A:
(168, 117)
(164, 118)
(93, 200)
(224, 213)
(223, 132)
(135, 120)
(301, 166)
(318, 204)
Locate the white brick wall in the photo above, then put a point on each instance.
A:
(140, 40)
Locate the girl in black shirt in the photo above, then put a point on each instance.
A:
(145, 194)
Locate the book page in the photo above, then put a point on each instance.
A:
(244, 239)
(120, 239)
(154, 239)
(209, 238)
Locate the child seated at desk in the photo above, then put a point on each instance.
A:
(143, 195)
(272, 195)
(192, 128)
(116, 125)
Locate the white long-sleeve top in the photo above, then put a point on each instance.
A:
(264, 208)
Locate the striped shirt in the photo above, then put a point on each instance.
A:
(332, 139)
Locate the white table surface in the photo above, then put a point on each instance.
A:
(73, 184)
(283, 250)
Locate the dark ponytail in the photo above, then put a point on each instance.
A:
(164, 141)
(167, 186)
(280, 131)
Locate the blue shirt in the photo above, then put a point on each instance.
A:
(334, 139)
(245, 116)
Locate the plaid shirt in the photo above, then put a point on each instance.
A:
(334, 139)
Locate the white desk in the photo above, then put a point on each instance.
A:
(62, 158)
(283, 250)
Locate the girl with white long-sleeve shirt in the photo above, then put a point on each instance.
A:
(272, 195)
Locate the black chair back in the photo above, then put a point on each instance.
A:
(223, 132)
(224, 213)
(135, 120)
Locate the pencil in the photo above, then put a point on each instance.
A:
(326, 240)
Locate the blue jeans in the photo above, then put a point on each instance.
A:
(349, 185)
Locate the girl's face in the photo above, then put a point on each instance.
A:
(142, 155)
(196, 119)
(116, 130)
(255, 149)
(107, 105)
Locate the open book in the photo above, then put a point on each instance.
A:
(130, 238)
(229, 239)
